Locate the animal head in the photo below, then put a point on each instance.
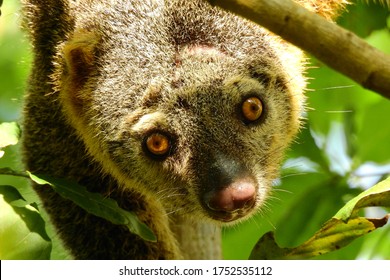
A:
(199, 124)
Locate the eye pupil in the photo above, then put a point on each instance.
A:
(158, 144)
(252, 108)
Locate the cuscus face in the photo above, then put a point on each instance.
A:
(209, 148)
(200, 128)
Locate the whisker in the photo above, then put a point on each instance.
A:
(281, 190)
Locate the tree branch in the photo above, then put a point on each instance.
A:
(338, 48)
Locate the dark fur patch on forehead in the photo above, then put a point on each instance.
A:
(182, 102)
(262, 77)
(281, 83)
(269, 78)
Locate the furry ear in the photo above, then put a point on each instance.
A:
(79, 59)
(79, 55)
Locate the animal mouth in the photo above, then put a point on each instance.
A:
(226, 216)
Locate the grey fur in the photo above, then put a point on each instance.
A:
(108, 73)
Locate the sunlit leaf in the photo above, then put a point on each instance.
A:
(336, 233)
(22, 231)
(378, 195)
(12, 196)
(9, 135)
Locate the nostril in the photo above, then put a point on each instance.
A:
(239, 195)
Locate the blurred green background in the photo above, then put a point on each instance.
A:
(343, 149)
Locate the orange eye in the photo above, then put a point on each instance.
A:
(252, 108)
(158, 144)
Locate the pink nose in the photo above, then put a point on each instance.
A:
(239, 195)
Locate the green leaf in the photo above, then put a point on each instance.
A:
(267, 249)
(96, 204)
(12, 172)
(12, 196)
(10, 193)
(363, 18)
(378, 195)
(22, 232)
(336, 233)
(9, 135)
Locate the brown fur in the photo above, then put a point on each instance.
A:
(108, 73)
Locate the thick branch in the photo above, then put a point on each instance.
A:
(338, 48)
